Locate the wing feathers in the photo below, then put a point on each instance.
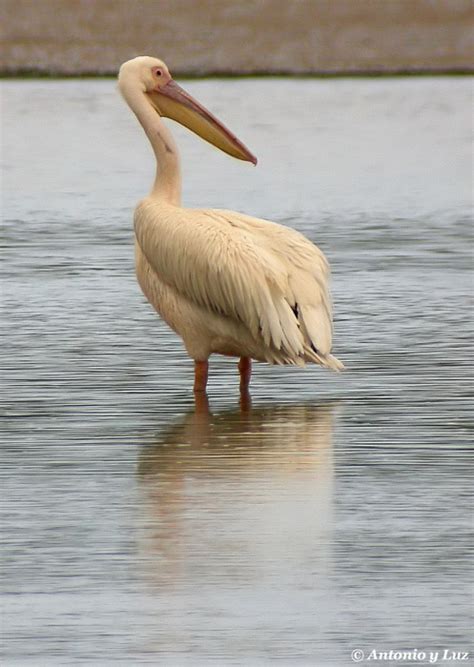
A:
(269, 277)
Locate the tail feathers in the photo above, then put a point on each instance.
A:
(325, 360)
(334, 363)
(316, 326)
(310, 355)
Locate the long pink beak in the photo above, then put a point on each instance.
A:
(173, 102)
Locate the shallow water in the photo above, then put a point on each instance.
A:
(332, 514)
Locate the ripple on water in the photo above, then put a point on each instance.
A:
(331, 514)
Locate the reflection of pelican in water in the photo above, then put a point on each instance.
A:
(239, 494)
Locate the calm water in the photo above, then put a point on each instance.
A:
(334, 513)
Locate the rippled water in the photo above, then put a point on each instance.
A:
(334, 512)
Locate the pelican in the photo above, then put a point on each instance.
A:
(227, 283)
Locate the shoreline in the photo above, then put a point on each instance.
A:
(398, 74)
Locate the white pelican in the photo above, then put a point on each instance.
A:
(225, 282)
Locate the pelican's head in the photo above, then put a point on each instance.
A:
(151, 76)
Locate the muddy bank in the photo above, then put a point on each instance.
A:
(248, 37)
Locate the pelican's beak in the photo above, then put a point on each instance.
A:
(173, 102)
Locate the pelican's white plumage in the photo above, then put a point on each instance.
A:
(227, 283)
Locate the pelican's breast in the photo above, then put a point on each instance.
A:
(160, 295)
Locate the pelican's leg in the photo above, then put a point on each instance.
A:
(245, 370)
(245, 401)
(201, 403)
(201, 369)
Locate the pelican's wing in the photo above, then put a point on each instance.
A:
(307, 271)
(264, 275)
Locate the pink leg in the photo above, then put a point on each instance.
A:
(245, 401)
(201, 369)
(201, 403)
(245, 370)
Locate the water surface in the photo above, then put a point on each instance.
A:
(331, 514)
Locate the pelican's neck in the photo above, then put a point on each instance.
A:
(167, 185)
